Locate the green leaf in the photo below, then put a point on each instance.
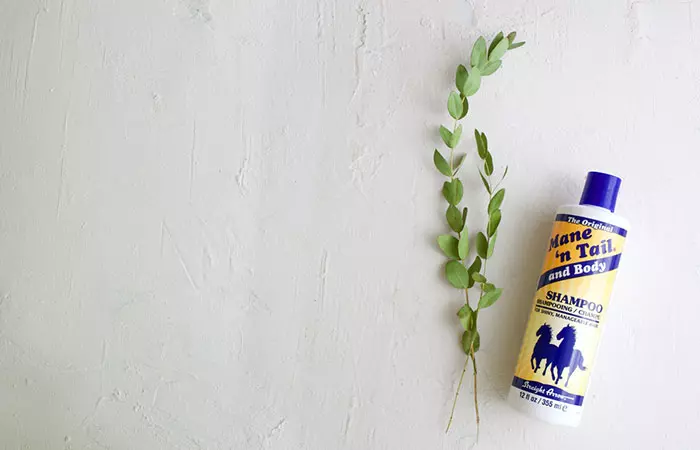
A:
(458, 162)
(488, 287)
(478, 57)
(466, 317)
(446, 135)
(499, 50)
(496, 200)
(454, 218)
(490, 68)
(485, 142)
(492, 245)
(465, 310)
(465, 106)
(480, 145)
(473, 82)
(489, 298)
(516, 45)
(471, 339)
(479, 278)
(448, 244)
(464, 215)
(505, 172)
(467, 341)
(486, 183)
(495, 41)
(477, 342)
(482, 245)
(494, 221)
(457, 274)
(463, 246)
(441, 164)
(488, 164)
(452, 191)
(511, 36)
(474, 268)
(456, 136)
(454, 105)
(461, 77)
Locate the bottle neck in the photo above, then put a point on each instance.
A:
(599, 208)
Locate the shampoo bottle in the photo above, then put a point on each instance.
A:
(570, 306)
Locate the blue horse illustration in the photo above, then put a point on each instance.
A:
(566, 355)
(543, 349)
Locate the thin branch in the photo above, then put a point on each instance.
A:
(476, 400)
(459, 386)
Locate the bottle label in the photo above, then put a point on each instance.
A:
(569, 310)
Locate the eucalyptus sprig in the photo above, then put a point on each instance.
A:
(455, 245)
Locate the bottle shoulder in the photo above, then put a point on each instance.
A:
(595, 213)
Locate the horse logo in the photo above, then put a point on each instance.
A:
(567, 355)
(557, 357)
(543, 349)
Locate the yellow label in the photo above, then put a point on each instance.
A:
(569, 311)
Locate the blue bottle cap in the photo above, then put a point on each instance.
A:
(601, 190)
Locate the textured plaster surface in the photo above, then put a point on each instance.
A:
(218, 219)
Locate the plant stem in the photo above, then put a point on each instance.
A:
(476, 401)
(472, 353)
(483, 272)
(459, 386)
(466, 299)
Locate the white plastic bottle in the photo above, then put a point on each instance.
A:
(571, 304)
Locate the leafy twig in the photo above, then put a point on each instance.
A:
(483, 62)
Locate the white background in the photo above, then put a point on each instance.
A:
(218, 219)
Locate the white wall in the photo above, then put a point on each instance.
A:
(218, 218)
